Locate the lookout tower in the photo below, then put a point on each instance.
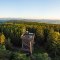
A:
(27, 42)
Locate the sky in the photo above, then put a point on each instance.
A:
(32, 9)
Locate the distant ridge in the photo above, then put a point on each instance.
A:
(30, 20)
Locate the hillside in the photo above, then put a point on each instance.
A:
(17, 20)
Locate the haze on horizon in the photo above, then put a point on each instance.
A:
(33, 9)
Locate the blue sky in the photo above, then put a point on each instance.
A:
(36, 9)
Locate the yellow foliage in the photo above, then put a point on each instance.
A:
(2, 38)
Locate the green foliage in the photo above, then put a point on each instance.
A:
(2, 47)
(43, 56)
(46, 36)
(4, 54)
(18, 56)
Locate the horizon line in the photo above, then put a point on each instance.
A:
(28, 18)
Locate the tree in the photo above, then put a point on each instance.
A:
(2, 38)
(39, 35)
(53, 44)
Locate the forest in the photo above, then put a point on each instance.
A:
(47, 40)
